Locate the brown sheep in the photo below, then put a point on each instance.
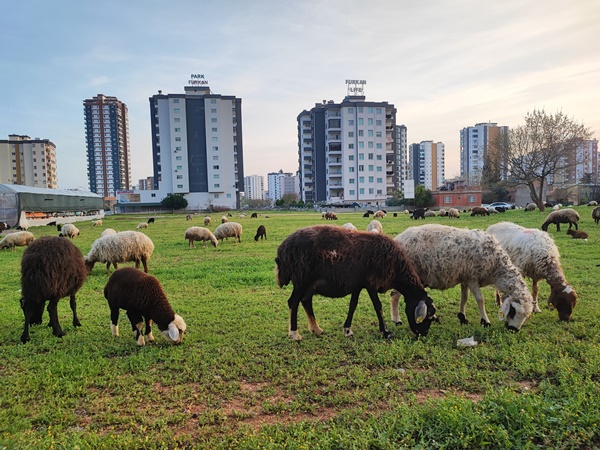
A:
(568, 215)
(261, 233)
(578, 234)
(51, 268)
(479, 211)
(596, 215)
(335, 262)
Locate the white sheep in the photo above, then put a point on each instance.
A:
(429, 213)
(23, 225)
(592, 203)
(349, 226)
(453, 212)
(379, 214)
(442, 212)
(108, 232)
(530, 207)
(557, 207)
(445, 256)
(69, 230)
(224, 219)
(97, 223)
(537, 257)
(375, 226)
(144, 299)
(121, 247)
(200, 234)
(141, 225)
(16, 239)
(206, 221)
(229, 229)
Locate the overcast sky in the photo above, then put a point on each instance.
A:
(444, 64)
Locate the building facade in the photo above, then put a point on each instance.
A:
(427, 160)
(107, 142)
(281, 183)
(254, 187)
(347, 152)
(197, 147)
(28, 162)
(474, 144)
(403, 173)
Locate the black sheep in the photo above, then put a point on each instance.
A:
(151, 220)
(335, 262)
(144, 299)
(254, 216)
(51, 268)
(261, 232)
(418, 213)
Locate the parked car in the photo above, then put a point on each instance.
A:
(502, 205)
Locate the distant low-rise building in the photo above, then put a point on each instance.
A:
(28, 162)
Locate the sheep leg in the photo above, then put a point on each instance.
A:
(534, 293)
(114, 321)
(379, 311)
(293, 303)
(73, 303)
(137, 324)
(53, 311)
(145, 263)
(394, 300)
(464, 296)
(485, 321)
(351, 309)
(107, 268)
(306, 301)
(25, 306)
(148, 331)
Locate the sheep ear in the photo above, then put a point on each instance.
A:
(420, 312)
(173, 332)
(504, 309)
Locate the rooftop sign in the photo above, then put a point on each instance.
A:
(356, 87)
(197, 79)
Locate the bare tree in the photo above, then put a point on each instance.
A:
(541, 149)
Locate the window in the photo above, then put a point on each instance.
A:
(371, 179)
(370, 110)
(213, 110)
(361, 191)
(370, 144)
(214, 130)
(379, 169)
(216, 176)
(351, 134)
(369, 121)
(378, 123)
(175, 100)
(361, 168)
(361, 121)
(176, 110)
(351, 191)
(377, 110)
(177, 149)
(350, 169)
(180, 177)
(351, 110)
(180, 186)
(178, 158)
(213, 100)
(371, 190)
(215, 139)
(378, 157)
(378, 134)
(379, 145)
(351, 122)
(371, 168)
(370, 133)
(176, 120)
(179, 167)
(447, 199)
(350, 157)
(370, 155)
(361, 179)
(216, 195)
(350, 146)
(215, 149)
(215, 158)
(361, 144)
(213, 120)
(177, 130)
(178, 139)
(216, 167)
(360, 109)
(472, 199)
(361, 156)
(361, 133)
(217, 185)
(351, 180)
(380, 180)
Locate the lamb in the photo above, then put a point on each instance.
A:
(141, 225)
(224, 219)
(453, 212)
(206, 221)
(200, 234)
(51, 268)
(261, 232)
(479, 211)
(592, 203)
(69, 230)
(578, 234)
(121, 247)
(375, 226)
(335, 262)
(557, 207)
(144, 299)
(379, 214)
(188, 217)
(16, 239)
(445, 256)
(537, 257)
(349, 226)
(567, 215)
(229, 229)
(108, 231)
(254, 216)
(596, 214)
(97, 223)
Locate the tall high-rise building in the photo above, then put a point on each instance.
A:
(427, 162)
(582, 165)
(197, 146)
(255, 187)
(403, 172)
(29, 162)
(280, 183)
(347, 151)
(107, 142)
(474, 144)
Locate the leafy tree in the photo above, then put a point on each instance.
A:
(174, 201)
(423, 196)
(396, 199)
(542, 148)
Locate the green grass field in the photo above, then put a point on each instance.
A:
(238, 381)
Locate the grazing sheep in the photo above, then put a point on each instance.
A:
(366, 214)
(224, 219)
(442, 213)
(335, 262)
(69, 230)
(4, 226)
(537, 257)
(200, 234)
(188, 217)
(151, 220)
(108, 231)
(418, 213)
(379, 214)
(243, 215)
(141, 225)
(144, 299)
(568, 215)
(254, 216)
(578, 234)
(97, 223)
(206, 221)
(16, 239)
(429, 213)
(445, 256)
(557, 207)
(331, 216)
(596, 214)
(121, 247)
(51, 268)
(395, 214)
(592, 203)
(375, 226)
(229, 229)
(479, 211)
(261, 232)
(453, 212)
(530, 207)
(349, 226)
(58, 227)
